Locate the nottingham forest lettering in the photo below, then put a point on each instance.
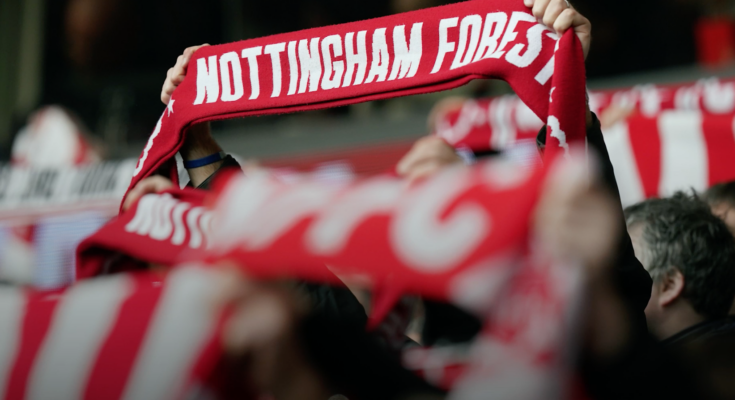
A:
(341, 60)
(313, 64)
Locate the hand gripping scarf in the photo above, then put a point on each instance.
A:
(412, 53)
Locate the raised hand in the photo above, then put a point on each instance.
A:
(177, 73)
(560, 15)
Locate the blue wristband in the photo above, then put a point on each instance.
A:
(205, 161)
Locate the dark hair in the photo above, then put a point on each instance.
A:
(721, 193)
(681, 233)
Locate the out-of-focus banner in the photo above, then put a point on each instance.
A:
(27, 194)
(661, 139)
(499, 122)
(46, 212)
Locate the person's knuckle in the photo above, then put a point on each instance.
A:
(549, 19)
(539, 9)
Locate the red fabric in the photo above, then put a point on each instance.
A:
(416, 239)
(118, 353)
(529, 74)
(143, 309)
(38, 314)
(646, 145)
(713, 96)
(677, 137)
(495, 123)
(460, 236)
(715, 39)
(720, 140)
(156, 229)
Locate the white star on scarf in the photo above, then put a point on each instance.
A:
(171, 107)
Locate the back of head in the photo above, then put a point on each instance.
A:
(722, 193)
(681, 233)
(721, 198)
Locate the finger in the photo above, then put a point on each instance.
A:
(191, 50)
(136, 194)
(528, 3)
(564, 20)
(132, 197)
(168, 87)
(179, 69)
(539, 8)
(412, 157)
(188, 53)
(160, 184)
(177, 79)
(555, 8)
(406, 164)
(424, 170)
(570, 18)
(167, 91)
(154, 184)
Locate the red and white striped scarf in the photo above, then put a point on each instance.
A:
(130, 336)
(678, 137)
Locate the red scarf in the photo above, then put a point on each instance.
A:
(157, 229)
(435, 238)
(127, 336)
(412, 53)
(461, 237)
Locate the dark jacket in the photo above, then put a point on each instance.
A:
(706, 331)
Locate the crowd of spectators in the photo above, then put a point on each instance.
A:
(659, 279)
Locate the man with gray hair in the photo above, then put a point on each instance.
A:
(690, 254)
